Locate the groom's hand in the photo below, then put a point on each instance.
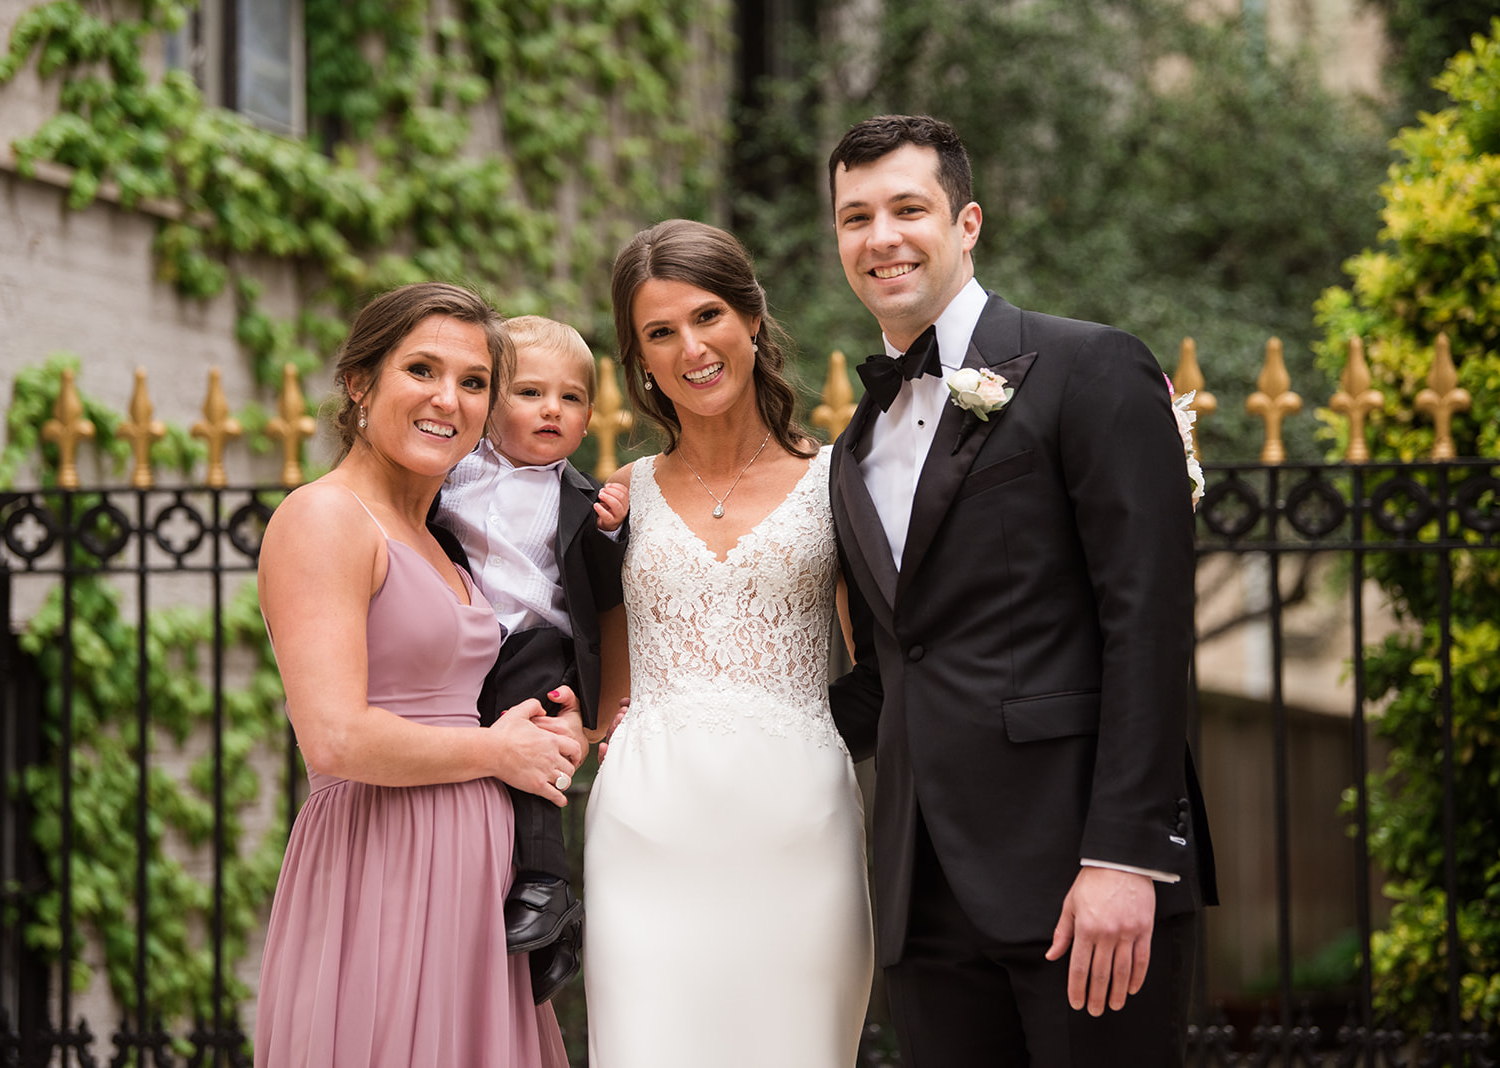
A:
(1107, 917)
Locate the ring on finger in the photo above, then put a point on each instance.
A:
(562, 782)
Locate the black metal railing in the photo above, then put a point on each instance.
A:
(148, 543)
(58, 540)
(1423, 509)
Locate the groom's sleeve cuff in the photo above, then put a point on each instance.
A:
(1158, 876)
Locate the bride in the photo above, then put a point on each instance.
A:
(728, 911)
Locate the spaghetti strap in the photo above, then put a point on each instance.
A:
(369, 513)
(463, 576)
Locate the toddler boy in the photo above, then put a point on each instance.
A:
(544, 542)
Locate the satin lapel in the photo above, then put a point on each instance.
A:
(944, 470)
(868, 552)
(574, 506)
(856, 436)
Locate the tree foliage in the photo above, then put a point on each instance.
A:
(1422, 34)
(1436, 272)
(1134, 165)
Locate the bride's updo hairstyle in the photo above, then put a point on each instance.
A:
(386, 321)
(680, 250)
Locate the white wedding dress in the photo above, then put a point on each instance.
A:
(724, 865)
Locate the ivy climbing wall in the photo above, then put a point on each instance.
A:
(507, 144)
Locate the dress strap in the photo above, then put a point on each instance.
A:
(369, 513)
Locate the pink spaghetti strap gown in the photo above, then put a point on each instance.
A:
(386, 944)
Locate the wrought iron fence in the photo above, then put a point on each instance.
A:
(1430, 509)
(59, 541)
(63, 540)
(1435, 510)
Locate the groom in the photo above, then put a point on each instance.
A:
(1020, 574)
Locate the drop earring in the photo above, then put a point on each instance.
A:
(363, 420)
(755, 346)
(649, 386)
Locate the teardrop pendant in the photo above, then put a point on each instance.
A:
(718, 512)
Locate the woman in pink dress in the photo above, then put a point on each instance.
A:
(386, 944)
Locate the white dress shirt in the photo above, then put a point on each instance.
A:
(902, 436)
(506, 519)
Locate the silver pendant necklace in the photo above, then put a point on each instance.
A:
(719, 501)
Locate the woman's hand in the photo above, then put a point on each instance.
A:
(533, 755)
(567, 722)
(614, 726)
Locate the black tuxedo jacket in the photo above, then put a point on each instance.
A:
(1024, 678)
(588, 563)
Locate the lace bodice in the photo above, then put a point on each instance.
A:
(742, 640)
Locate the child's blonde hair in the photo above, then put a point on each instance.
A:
(536, 331)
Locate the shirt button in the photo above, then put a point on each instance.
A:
(915, 653)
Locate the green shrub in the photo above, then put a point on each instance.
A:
(1436, 272)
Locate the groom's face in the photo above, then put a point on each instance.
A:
(904, 253)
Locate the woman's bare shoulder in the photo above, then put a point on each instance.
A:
(622, 475)
(324, 511)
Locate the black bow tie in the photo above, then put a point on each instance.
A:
(883, 375)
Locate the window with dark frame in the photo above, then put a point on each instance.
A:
(247, 55)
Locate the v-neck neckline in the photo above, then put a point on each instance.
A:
(463, 575)
(740, 541)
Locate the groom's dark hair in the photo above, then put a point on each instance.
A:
(876, 138)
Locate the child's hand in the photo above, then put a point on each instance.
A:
(613, 505)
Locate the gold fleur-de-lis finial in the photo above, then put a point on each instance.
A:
(142, 430)
(67, 428)
(1442, 397)
(293, 425)
(1273, 401)
(1356, 400)
(216, 427)
(1189, 377)
(837, 409)
(610, 419)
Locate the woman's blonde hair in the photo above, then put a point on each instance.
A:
(536, 331)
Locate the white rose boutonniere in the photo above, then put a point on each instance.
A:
(1185, 419)
(979, 390)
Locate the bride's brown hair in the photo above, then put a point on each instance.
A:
(680, 250)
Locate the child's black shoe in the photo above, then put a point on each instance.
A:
(537, 910)
(553, 965)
